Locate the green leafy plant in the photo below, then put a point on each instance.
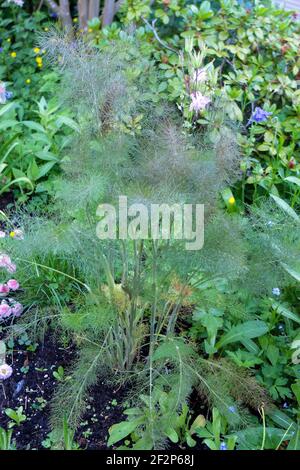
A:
(6, 439)
(17, 416)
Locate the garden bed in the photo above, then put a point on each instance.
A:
(32, 387)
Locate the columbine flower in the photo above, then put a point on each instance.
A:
(199, 76)
(5, 371)
(4, 290)
(13, 284)
(199, 102)
(20, 3)
(4, 94)
(223, 446)
(17, 309)
(259, 115)
(5, 310)
(276, 291)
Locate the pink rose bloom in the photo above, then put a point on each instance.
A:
(2, 234)
(5, 310)
(199, 102)
(5, 371)
(4, 289)
(13, 284)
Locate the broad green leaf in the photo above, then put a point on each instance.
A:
(280, 418)
(285, 312)
(68, 122)
(251, 438)
(44, 169)
(250, 345)
(34, 126)
(7, 107)
(119, 431)
(285, 207)
(294, 443)
(293, 179)
(47, 156)
(249, 329)
(172, 435)
(23, 179)
(292, 272)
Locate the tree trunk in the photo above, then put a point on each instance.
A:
(65, 14)
(94, 7)
(108, 12)
(83, 11)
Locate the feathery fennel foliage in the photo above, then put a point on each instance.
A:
(128, 295)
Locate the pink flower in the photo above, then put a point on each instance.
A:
(17, 309)
(199, 76)
(2, 234)
(11, 268)
(199, 102)
(13, 284)
(5, 371)
(5, 262)
(4, 289)
(5, 310)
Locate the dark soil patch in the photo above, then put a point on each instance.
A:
(34, 389)
(32, 386)
(6, 199)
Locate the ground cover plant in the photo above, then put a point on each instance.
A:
(119, 341)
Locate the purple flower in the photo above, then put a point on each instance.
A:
(17, 309)
(5, 310)
(276, 291)
(199, 102)
(232, 409)
(4, 94)
(259, 115)
(223, 446)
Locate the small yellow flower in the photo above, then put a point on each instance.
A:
(46, 29)
(75, 20)
(36, 50)
(13, 54)
(28, 81)
(90, 30)
(231, 200)
(8, 40)
(12, 234)
(40, 65)
(38, 60)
